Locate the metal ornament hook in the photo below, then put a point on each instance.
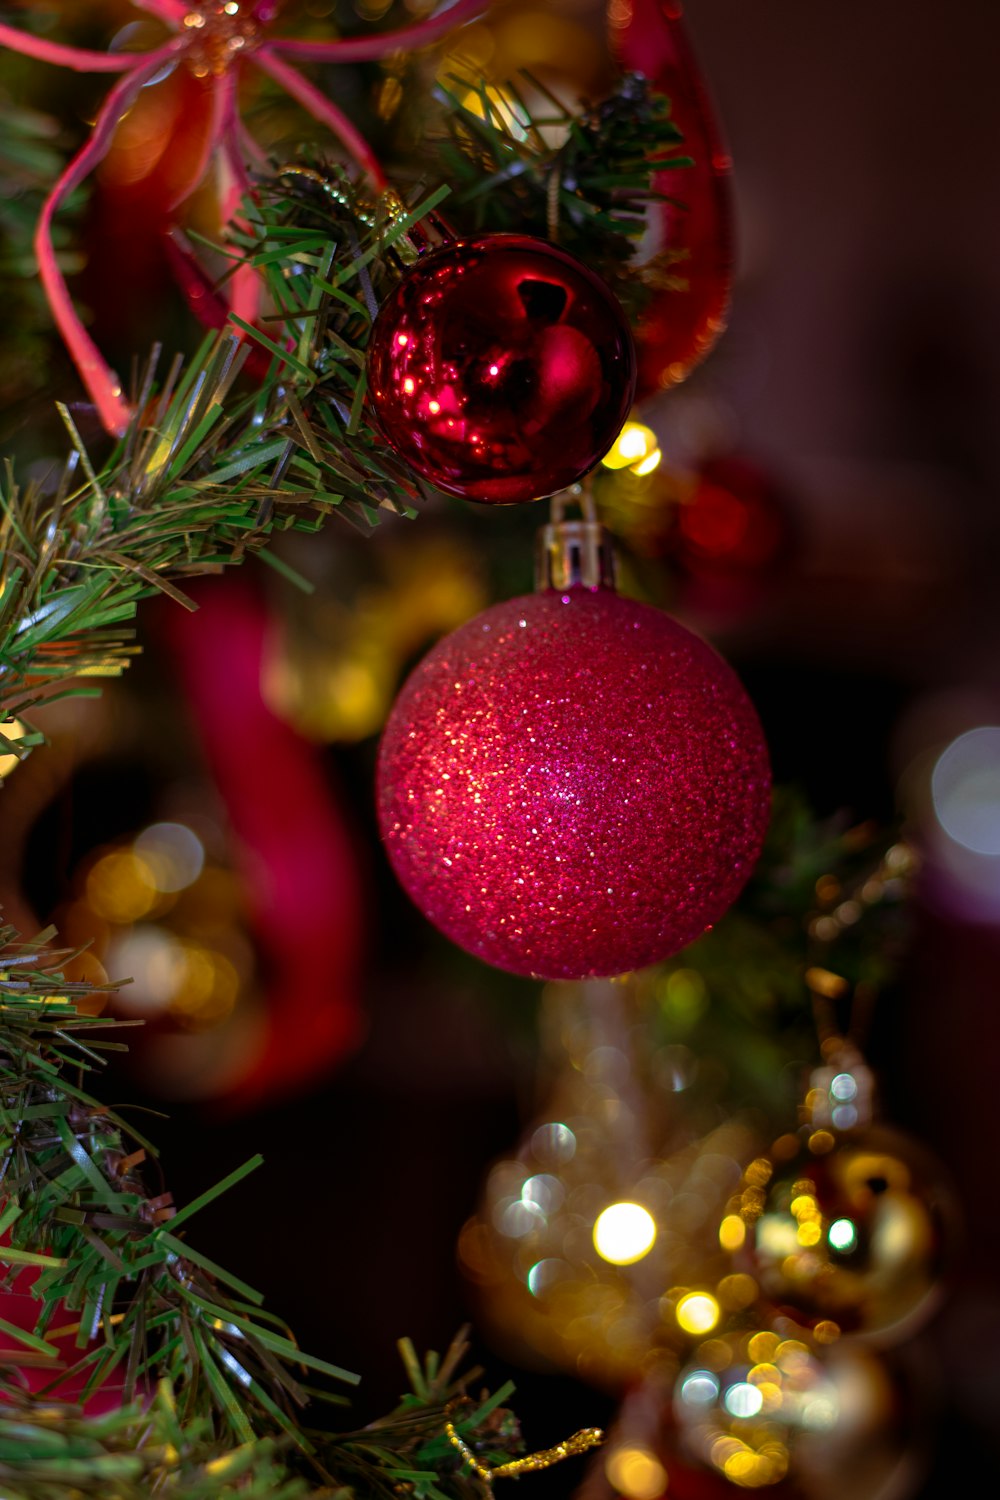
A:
(574, 554)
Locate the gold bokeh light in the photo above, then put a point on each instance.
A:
(635, 1472)
(624, 1233)
(697, 1312)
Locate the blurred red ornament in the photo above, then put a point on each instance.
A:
(732, 534)
(573, 785)
(681, 324)
(52, 1371)
(294, 850)
(501, 369)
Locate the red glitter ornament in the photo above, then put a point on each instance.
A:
(573, 785)
(682, 323)
(501, 369)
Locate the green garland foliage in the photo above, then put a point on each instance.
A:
(211, 1387)
(584, 179)
(815, 937)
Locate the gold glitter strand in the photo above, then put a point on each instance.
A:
(580, 1442)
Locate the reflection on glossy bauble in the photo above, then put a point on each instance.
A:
(573, 785)
(694, 219)
(853, 1230)
(756, 1406)
(501, 368)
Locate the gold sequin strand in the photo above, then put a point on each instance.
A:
(579, 1442)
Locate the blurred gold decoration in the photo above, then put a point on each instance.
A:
(580, 1236)
(157, 910)
(335, 672)
(850, 1232)
(754, 1404)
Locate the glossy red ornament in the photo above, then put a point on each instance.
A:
(501, 369)
(573, 785)
(681, 324)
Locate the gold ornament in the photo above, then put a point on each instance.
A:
(588, 1241)
(754, 1405)
(845, 1226)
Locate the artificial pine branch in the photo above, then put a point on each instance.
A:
(109, 1265)
(581, 177)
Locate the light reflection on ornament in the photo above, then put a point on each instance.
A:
(624, 1233)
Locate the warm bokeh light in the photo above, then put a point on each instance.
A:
(732, 1232)
(121, 887)
(636, 447)
(697, 1312)
(15, 730)
(501, 106)
(648, 464)
(965, 788)
(635, 1473)
(624, 1233)
(173, 855)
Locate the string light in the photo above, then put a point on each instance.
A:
(624, 1233)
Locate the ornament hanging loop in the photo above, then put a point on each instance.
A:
(574, 554)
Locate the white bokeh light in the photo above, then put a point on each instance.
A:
(965, 787)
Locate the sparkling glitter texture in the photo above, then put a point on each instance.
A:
(501, 368)
(573, 785)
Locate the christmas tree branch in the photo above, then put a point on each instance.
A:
(126, 1304)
